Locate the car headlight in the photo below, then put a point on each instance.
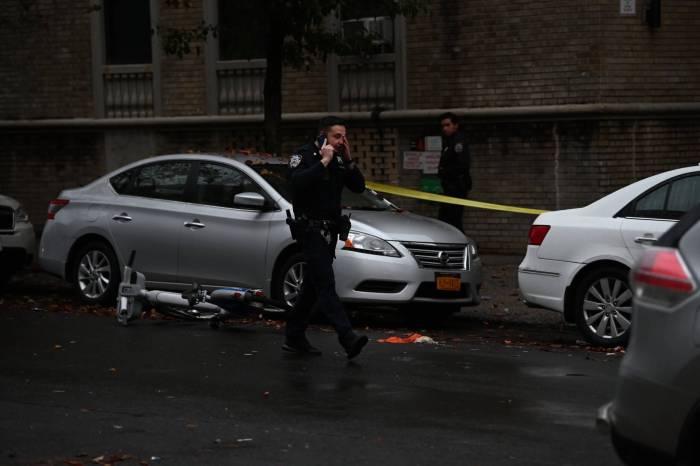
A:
(21, 215)
(362, 242)
(473, 253)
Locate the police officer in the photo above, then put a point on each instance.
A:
(318, 172)
(453, 169)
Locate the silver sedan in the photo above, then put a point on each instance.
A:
(221, 221)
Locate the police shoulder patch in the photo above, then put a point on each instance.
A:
(295, 161)
(459, 147)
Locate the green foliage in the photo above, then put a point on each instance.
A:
(308, 29)
(179, 41)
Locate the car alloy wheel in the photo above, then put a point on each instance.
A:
(293, 279)
(605, 307)
(96, 273)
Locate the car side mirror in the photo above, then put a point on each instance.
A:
(254, 200)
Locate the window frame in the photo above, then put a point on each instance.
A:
(100, 68)
(214, 64)
(397, 57)
(629, 210)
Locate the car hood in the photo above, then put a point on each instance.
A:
(404, 226)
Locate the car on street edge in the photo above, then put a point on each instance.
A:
(578, 260)
(221, 221)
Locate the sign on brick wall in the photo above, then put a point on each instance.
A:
(628, 7)
(426, 161)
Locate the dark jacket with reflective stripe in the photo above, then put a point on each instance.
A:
(454, 166)
(316, 190)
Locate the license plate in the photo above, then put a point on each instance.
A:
(448, 282)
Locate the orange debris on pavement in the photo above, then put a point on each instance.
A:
(412, 338)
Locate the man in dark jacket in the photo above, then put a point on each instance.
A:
(318, 172)
(453, 169)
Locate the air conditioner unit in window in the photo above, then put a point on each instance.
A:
(381, 28)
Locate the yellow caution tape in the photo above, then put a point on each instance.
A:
(404, 192)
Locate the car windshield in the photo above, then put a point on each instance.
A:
(276, 175)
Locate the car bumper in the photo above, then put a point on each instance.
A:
(543, 282)
(374, 279)
(657, 390)
(18, 248)
(53, 248)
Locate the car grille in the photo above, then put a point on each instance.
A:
(7, 218)
(439, 256)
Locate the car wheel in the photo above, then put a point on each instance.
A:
(95, 273)
(290, 276)
(603, 306)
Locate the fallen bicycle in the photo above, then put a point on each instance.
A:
(197, 303)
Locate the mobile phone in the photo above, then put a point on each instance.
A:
(321, 140)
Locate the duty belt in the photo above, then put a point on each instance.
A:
(321, 224)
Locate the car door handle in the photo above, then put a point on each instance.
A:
(123, 217)
(645, 240)
(195, 224)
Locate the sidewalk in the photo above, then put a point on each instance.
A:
(500, 297)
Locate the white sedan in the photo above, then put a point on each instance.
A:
(578, 260)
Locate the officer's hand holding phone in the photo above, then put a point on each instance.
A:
(326, 152)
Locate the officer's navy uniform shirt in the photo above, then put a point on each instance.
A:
(453, 169)
(316, 190)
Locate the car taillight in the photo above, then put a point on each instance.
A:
(662, 278)
(537, 234)
(55, 206)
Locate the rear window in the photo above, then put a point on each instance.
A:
(669, 201)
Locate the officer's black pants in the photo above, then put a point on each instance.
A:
(318, 288)
(452, 214)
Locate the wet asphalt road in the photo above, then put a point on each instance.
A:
(79, 389)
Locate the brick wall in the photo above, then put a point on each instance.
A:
(183, 80)
(35, 167)
(464, 53)
(651, 65)
(305, 90)
(481, 53)
(45, 60)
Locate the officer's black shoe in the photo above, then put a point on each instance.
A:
(353, 344)
(300, 346)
